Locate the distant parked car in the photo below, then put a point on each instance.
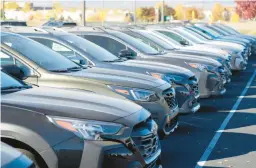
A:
(59, 24)
(12, 23)
(81, 50)
(62, 128)
(13, 158)
(206, 70)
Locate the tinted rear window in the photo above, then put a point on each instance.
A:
(13, 23)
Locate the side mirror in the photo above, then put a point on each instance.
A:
(184, 43)
(125, 54)
(17, 72)
(80, 62)
(14, 71)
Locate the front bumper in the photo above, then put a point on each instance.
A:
(238, 63)
(188, 102)
(77, 153)
(161, 112)
(210, 84)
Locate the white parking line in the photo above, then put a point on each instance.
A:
(218, 133)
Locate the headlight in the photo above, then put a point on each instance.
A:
(157, 75)
(203, 67)
(167, 78)
(210, 68)
(229, 57)
(197, 66)
(86, 129)
(220, 60)
(136, 94)
(187, 87)
(174, 78)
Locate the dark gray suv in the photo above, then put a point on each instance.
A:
(44, 67)
(60, 128)
(83, 51)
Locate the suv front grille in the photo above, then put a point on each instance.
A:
(194, 85)
(170, 98)
(194, 88)
(144, 140)
(148, 145)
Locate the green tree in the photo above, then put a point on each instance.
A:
(145, 14)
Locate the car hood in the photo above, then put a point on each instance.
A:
(195, 51)
(201, 47)
(190, 58)
(228, 44)
(237, 39)
(70, 103)
(155, 67)
(119, 78)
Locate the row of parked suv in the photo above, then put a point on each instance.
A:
(106, 96)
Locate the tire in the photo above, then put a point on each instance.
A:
(161, 135)
(30, 155)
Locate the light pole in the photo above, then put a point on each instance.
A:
(134, 12)
(84, 14)
(162, 12)
(3, 9)
(102, 21)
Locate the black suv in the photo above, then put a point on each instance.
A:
(72, 129)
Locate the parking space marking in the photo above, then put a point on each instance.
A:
(218, 133)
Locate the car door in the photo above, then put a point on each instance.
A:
(9, 59)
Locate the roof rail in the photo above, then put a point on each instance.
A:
(82, 28)
(46, 28)
(40, 29)
(22, 29)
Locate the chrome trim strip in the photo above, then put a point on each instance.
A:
(151, 159)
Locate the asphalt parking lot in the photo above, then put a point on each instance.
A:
(199, 136)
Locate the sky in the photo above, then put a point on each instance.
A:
(129, 4)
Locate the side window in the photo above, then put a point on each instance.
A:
(9, 60)
(107, 43)
(173, 36)
(6, 59)
(61, 49)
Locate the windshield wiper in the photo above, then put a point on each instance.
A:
(68, 69)
(116, 60)
(59, 70)
(15, 87)
(77, 68)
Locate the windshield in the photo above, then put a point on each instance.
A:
(157, 40)
(211, 32)
(200, 33)
(36, 52)
(221, 29)
(142, 47)
(90, 48)
(229, 29)
(7, 81)
(218, 30)
(192, 36)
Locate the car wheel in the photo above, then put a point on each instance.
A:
(30, 155)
